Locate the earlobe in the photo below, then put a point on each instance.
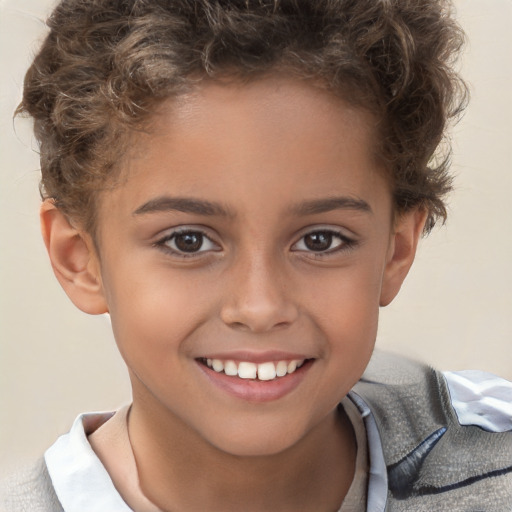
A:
(402, 250)
(74, 260)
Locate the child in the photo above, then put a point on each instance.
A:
(241, 185)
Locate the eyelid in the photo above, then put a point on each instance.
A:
(347, 241)
(161, 243)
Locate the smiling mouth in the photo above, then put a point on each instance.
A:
(271, 370)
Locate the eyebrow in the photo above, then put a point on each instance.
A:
(203, 207)
(182, 204)
(331, 203)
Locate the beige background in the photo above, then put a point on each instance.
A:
(454, 310)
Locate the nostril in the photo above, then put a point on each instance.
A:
(238, 325)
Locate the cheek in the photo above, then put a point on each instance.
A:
(153, 311)
(347, 298)
(345, 307)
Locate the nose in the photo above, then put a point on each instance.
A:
(258, 298)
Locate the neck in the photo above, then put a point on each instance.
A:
(179, 470)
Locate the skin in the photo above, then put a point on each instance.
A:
(271, 155)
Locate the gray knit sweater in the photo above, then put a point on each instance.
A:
(30, 491)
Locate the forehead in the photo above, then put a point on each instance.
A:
(270, 111)
(224, 141)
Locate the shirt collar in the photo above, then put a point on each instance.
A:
(79, 478)
(378, 476)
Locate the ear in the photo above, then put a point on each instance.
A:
(74, 260)
(402, 249)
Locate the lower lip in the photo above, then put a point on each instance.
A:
(253, 390)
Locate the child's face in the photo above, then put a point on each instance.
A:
(254, 225)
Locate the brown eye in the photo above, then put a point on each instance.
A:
(188, 242)
(323, 241)
(318, 241)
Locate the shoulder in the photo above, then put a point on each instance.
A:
(477, 398)
(29, 489)
(446, 437)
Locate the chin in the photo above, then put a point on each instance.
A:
(255, 442)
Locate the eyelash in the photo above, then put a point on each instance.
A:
(163, 242)
(345, 244)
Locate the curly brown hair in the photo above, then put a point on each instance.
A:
(106, 65)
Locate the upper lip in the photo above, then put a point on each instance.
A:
(256, 357)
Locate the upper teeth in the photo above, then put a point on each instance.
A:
(262, 371)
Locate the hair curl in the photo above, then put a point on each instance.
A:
(106, 65)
